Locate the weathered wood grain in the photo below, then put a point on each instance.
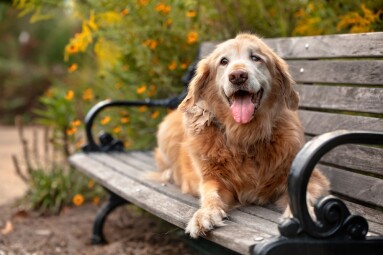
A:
(357, 157)
(315, 47)
(360, 187)
(315, 123)
(329, 46)
(234, 236)
(359, 99)
(337, 71)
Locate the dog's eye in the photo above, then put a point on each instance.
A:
(255, 58)
(224, 61)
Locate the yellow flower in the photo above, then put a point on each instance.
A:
(155, 115)
(69, 95)
(76, 123)
(124, 120)
(127, 144)
(124, 12)
(72, 68)
(90, 184)
(173, 65)
(192, 37)
(105, 120)
(117, 130)
(78, 200)
(140, 90)
(142, 108)
(71, 131)
(88, 95)
(183, 66)
(191, 14)
(96, 200)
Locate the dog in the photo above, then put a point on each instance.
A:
(233, 138)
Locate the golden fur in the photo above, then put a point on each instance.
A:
(208, 153)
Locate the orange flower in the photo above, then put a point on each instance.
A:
(117, 130)
(90, 184)
(72, 68)
(88, 95)
(184, 66)
(69, 95)
(152, 44)
(191, 14)
(173, 65)
(78, 200)
(124, 12)
(105, 120)
(71, 131)
(96, 200)
(124, 120)
(163, 8)
(79, 144)
(152, 90)
(192, 37)
(71, 49)
(142, 108)
(140, 90)
(143, 2)
(168, 22)
(76, 123)
(155, 115)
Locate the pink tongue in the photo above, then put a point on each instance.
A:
(242, 108)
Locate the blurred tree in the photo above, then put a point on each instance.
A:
(30, 59)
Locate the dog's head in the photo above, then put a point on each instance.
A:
(241, 77)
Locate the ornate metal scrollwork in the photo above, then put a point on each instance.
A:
(333, 219)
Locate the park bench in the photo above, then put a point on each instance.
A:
(340, 82)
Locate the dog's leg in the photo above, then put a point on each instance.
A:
(215, 200)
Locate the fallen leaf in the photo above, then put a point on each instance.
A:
(8, 228)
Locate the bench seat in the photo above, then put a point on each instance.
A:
(124, 174)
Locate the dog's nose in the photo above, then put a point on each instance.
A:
(238, 77)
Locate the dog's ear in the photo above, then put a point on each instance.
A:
(196, 85)
(284, 79)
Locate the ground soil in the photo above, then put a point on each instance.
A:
(128, 230)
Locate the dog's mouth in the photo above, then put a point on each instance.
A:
(243, 105)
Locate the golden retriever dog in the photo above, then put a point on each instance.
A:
(233, 138)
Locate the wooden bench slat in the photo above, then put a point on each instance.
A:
(356, 157)
(130, 165)
(316, 123)
(337, 71)
(316, 47)
(361, 187)
(374, 217)
(329, 46)
(233, 236)
(368, 100)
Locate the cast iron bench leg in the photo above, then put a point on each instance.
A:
(98, 225)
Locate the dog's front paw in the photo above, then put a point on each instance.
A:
(204, 220)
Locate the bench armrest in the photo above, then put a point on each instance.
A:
(333, 217)
(106, 139)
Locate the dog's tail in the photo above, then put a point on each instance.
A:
(164, 173)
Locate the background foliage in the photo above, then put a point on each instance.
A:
(136, 49)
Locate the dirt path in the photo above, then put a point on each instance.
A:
(11, 186)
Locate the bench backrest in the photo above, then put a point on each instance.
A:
(340, 82)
